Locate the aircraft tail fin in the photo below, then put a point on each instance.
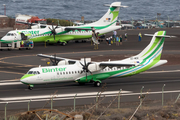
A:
(110, 18)
(154, 49)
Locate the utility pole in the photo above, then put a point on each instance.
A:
(4, 9)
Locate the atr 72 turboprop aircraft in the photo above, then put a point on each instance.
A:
(69, 70)
(63, 34)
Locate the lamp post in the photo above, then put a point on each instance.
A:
(144, 22)
(5, 111)
(168, 21)
(132, 22)
(141, 94)
(28, 104)
(4, 9)
(163, 94)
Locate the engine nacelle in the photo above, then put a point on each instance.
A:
(63, 62)
(94, 67)
(61, 29)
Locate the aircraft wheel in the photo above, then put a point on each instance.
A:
(63, 43)
(30, 88)
(97, 84)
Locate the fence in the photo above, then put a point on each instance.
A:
(101, 107)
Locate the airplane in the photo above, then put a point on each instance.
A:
(64, 34)
(86, 71)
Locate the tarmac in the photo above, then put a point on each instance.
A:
(15, 63)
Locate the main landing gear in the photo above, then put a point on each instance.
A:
(97, 84)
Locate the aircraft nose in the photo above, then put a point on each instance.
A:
(24, 79)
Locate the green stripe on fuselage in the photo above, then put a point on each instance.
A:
(155, 42)
(26, 76)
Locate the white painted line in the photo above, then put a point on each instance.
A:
(9, 80)
(125, 93)
(147, 72)
(61, 95)
(10, 83)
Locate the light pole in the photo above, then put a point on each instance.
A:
(4, 9)
(163, 94)
(119, 98)
(168, 21)
(75, 102)
(5, 111)
(144, 22)
(28, 104)
(156, 21)
(141, 94)
(132, 22)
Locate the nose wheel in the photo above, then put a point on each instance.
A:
(30, 87)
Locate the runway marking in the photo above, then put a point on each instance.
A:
(62, 95)
(9, 80)
(12, 83)
(147, 72)
(79, 96)
(12, 72)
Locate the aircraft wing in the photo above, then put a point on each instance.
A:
(51, 57)
(76, 28)
(113, 64)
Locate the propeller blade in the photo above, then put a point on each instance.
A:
(56, 27)
(86, 76)
(54, 37)
(50, 28)
(81, 64)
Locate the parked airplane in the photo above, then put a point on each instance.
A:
(83, 71)
(63, 34)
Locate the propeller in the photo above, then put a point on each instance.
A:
(54, 61)
(53, 31)
(85, 67)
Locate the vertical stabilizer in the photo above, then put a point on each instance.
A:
(110, 18)
(154, 49)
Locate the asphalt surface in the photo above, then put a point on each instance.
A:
(15, 63)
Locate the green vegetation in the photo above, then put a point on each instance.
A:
(59, 22)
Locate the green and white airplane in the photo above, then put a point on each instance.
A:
(58, 34)
(83, 71)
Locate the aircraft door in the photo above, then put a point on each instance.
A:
(23, 37)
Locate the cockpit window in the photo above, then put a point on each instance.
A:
(33, 72)
(30, 72)
(9, 34)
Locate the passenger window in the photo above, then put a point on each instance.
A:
(72, 72)
(66, 72)
(63, 72)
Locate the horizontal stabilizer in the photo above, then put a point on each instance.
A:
(166, 36)
(116, 5)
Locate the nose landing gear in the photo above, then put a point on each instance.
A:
(30, 87)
